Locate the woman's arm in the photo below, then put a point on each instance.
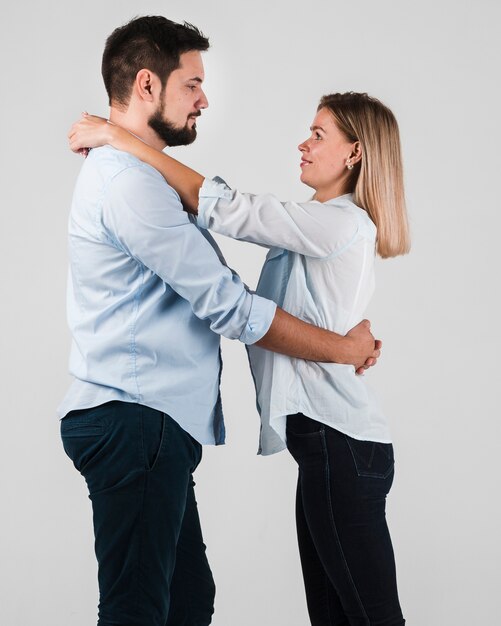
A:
(311, 228)
(286, 334)
(92, 131)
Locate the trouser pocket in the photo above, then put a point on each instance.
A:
(153, 425)
(84, 432)
(371, 458)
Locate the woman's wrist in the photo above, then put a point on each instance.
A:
(118, 136)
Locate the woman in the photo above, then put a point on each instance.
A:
(320, 267)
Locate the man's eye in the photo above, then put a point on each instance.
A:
(192, 87)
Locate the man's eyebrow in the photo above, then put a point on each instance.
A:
(197, 79)
(317, 128)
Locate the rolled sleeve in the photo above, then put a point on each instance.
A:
(209, 194)
(259, 321)
(314, 229)
(144, 216)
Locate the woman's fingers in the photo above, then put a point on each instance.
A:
(76, 136)
(84, 133)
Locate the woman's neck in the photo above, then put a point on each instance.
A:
(333, 191)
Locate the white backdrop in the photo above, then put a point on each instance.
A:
(434, 63)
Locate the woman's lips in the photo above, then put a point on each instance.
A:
(304, 162)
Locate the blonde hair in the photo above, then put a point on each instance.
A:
(376, 181)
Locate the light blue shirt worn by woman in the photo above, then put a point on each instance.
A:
(148, 296)
(320, 268)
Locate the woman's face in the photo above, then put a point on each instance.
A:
(324, 157)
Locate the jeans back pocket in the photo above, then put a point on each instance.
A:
(82, 433)
(372, 459)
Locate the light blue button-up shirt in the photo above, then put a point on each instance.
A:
(148, 296)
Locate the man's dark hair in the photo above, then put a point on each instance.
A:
(151, 42)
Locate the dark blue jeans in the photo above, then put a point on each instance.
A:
(345, 547)
(138, 465)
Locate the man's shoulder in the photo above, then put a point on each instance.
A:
(111, 162)
(121, 175)
(109, 176)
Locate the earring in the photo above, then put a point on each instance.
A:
(349, 165)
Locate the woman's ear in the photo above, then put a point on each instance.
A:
(356, 152)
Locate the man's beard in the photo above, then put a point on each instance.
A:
(170, 134)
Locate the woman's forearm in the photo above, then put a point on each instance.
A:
(183, 179)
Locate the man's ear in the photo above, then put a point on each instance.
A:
(147, 85)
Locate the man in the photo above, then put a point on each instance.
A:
(149, 295)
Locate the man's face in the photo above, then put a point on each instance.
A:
(181, 102)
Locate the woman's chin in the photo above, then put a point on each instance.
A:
(305, 180)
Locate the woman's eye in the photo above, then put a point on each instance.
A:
(318, 136)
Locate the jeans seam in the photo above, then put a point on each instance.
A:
(161, 446)
(141, 516)
(327, 583)
(142, 446)
(140, 546)
(333, 524)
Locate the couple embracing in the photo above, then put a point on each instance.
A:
(149, 295)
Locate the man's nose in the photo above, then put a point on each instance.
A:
(202, 103)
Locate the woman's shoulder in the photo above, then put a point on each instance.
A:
(346, 209)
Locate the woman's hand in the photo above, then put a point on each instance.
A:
(91, 131)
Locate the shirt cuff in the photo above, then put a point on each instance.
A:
(209, 194)
(260, 318)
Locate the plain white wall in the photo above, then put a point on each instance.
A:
(434, 63)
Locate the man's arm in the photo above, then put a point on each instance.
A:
(290, 335)
(181, 262)
(144, 215)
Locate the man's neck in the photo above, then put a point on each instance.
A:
(136, 125)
